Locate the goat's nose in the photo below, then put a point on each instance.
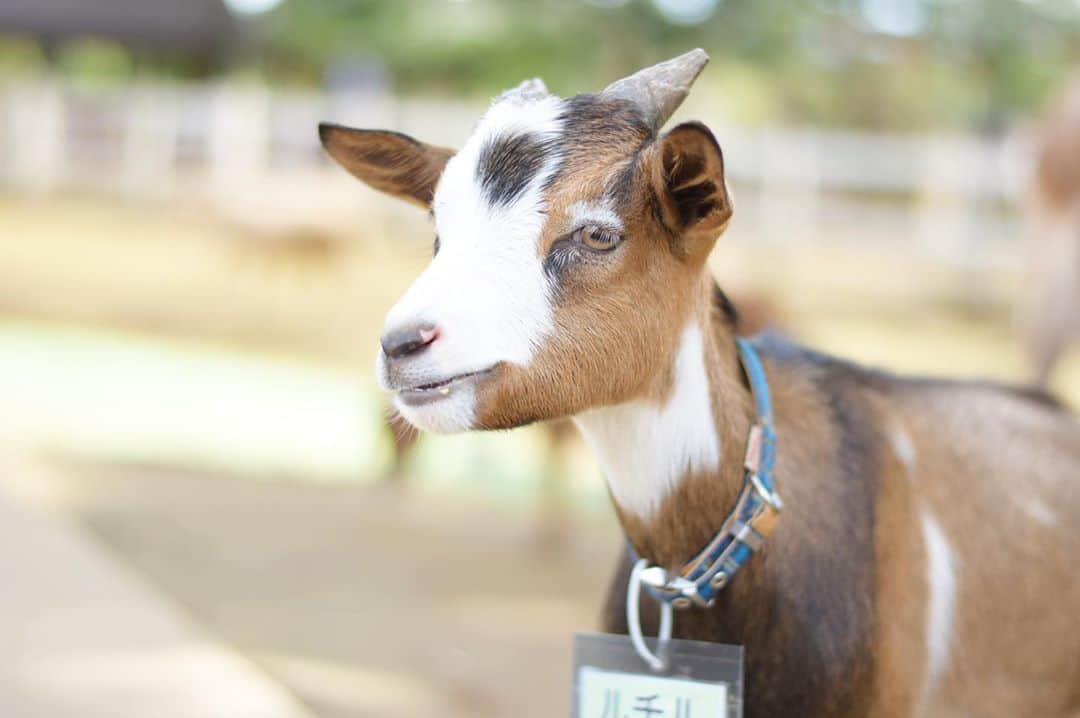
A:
(406, 341)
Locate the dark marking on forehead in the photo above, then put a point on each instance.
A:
(595, 125)
(594, 129)
(602, 131)
(589, 117)
(508, 163)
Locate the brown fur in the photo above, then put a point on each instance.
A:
(1051, 300)
(599, 301)
(1057, 165)
(833, 613)
(388, 161)
(839, 595)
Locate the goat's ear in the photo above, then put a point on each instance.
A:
(688, 177)
(388, 161)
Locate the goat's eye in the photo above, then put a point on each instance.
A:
(597, 238)
(435, 249)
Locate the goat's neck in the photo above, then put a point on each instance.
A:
(673, 465)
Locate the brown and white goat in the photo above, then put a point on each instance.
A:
(1051, 317)
(928, 559)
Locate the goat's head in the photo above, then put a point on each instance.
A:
(570, 241)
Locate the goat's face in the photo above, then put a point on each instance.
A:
(569, 248)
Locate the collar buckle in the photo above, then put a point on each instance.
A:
(689, 594)
(767, 515)
(680, 591)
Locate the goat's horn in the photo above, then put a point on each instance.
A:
(660, 89)
(527, 91)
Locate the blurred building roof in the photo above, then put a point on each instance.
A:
(203, 25)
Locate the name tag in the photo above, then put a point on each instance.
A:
(701, 680)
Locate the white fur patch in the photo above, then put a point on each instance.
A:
(941, 605)
(486, 289)
(645, 449)
(582, 213)
(902, 446)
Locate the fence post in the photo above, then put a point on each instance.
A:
(239, 139)
(790, 182)
(150, 142)
(36, 136)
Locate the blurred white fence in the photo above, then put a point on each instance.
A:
(255, 148)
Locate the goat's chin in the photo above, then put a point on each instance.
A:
(454, 414)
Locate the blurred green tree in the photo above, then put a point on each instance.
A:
(894, 64)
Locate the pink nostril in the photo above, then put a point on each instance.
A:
(407, 341)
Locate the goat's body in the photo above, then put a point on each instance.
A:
(922, 566)
(1001, 474)
(926, 561)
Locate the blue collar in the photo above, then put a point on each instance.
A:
(745, 529)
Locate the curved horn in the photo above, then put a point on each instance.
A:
(660, 89)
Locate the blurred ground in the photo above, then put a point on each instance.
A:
(85, 636)
(363, 601)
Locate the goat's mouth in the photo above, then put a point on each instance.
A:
(427, 393)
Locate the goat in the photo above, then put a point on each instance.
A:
(926, 561)
(1051, 301)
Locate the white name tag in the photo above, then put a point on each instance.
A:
(701, 680)
(608, 694)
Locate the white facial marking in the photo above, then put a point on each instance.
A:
(941, 606)
(486, 290)
(455, 413)
(645, 449)
(583, 213)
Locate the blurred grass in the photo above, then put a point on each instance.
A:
(122, 397)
